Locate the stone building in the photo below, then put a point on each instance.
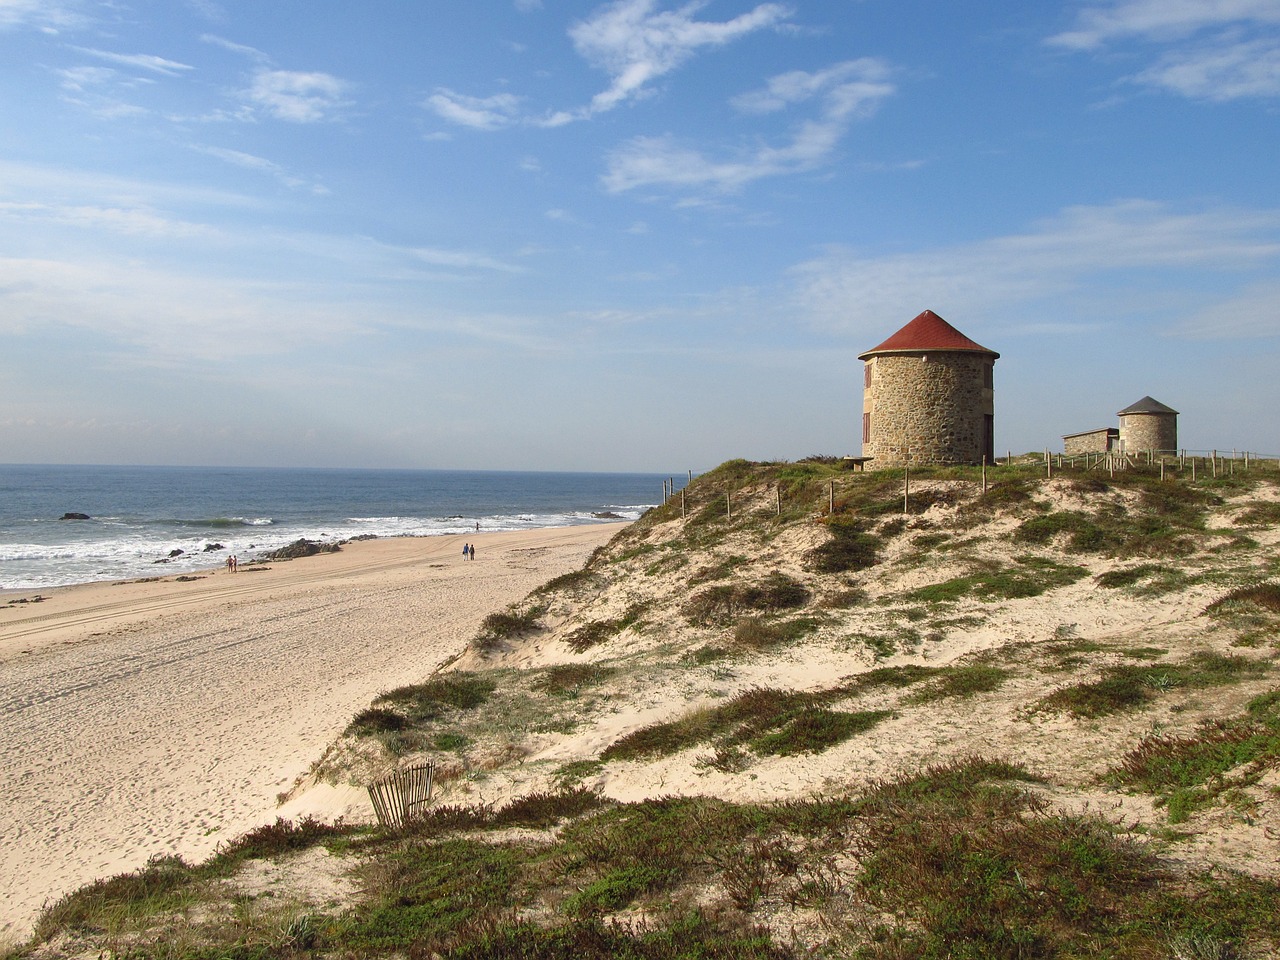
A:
(1148, 425)
(928, 397)
(1102, 440)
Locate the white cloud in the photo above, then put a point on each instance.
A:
(632, 41)
(252, 53)
(479, 113)
(1058, 259)
(461, 259)
(49, 15)
(249, 161)
(136, 220)
(1254, 313)
(1161, 20)
(297, 96)
(1216, 49)
(636, 44)
(844, 93)
(161, 318)
(1219, 72)
(786, 89)
(141, 61)
(80, 79)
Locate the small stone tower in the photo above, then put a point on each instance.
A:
(1148, 425)
(928, 397)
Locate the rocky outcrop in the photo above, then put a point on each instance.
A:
(302, 548)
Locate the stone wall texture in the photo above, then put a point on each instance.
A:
(1096, 441)
(927, 408)
(1149, 431)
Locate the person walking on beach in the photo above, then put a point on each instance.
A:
(473, 551)
(466, 551)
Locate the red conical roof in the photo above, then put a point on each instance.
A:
(928, 332)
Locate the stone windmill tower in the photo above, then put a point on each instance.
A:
(1148, 425)
(928, 397)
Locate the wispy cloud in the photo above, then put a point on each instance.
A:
(636, 43)
(134, 220)
(80, 79)
(462, 260)
(252, 52)
(139, 61)
(633, 41)
(249, 161)
(1060, 260)
(1215, 49)
(478, 113)
(1220, 71)
(842, 94)
(48, 15)
(298, 97)
(1161, 20)
(1251, 314)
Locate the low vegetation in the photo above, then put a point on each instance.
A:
(962, 859)
(797, 640)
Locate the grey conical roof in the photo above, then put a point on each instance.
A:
(1146, 405)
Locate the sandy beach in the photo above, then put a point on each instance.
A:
(166, 716)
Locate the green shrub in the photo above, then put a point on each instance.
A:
(512, 622)
(372, 721)
(568, 678)
(756, 633)
(961, 681)
(815, 729)
(723, 603)
(850, 548)
(1260, 596)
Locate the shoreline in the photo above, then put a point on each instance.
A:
(258, 556)
(161, 717)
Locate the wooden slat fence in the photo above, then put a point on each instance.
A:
(400, 797)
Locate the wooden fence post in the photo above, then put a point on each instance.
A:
(984, 473)
(728, 506)
(906, 486)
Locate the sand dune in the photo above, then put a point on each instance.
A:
(164, 717)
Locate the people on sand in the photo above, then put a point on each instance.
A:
(466, 551)
(473, 551)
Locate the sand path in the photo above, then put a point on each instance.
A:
(153, 718)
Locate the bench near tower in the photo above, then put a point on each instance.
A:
(928, 397)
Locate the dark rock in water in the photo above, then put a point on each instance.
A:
(161, 560)
(76, 516)
(364, 536)
(176, 553)
(606, 515)
(210, 547)
(301, 548)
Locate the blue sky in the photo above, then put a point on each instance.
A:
(636, 235)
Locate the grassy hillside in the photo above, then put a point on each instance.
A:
(782, 716)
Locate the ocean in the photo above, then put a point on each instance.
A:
(141, 517)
